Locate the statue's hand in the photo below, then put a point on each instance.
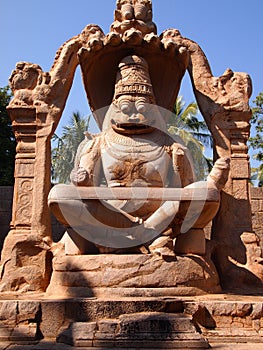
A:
(219, 174)
(79, 176)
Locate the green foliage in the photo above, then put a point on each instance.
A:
(7, 141)
(256, 142)
(63, 154)
(193, 132)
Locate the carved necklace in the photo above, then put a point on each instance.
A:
(149, 147)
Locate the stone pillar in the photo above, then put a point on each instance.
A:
(38, 103)
(224, 104)
(24, 126)
(234, 216)
(32, 171)
(25, 253)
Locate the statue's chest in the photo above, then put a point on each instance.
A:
(134, 162)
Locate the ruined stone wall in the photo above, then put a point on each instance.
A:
(6, 200)
(257, 211)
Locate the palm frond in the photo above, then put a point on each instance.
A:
(194, 133)
(63, 153)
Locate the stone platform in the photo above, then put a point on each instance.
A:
(132, 275)
(131, 323)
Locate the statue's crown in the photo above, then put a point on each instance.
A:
(133, 77)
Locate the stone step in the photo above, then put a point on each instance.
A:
(148, 330)
(228, 335)
(18, 333)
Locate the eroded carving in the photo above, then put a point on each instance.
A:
(47, 91)
(24, 204)
(136, 14)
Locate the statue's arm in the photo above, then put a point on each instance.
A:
(183, 169)
(87, 164)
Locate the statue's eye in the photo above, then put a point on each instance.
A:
(141, 105)
(125, 106)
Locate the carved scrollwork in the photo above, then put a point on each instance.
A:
(24, 204)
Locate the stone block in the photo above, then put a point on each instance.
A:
(221, 309)
(80, 329)
(53, 317)
(240, 189)
(132, 271)
(257, 311)
(239, 168)
(103, 343)
(254, 205)
(256, 192)
(259, 218)
(223, 321)
(24, 332)
(242, 332)
(154, 323)
(242, 310)
(237, 323)
(5, 333)
(99, 309)
(18, 333)
(108, 326)
(79, 334)
(256, 325)
(8, 310)
(28, 310)
(248, 322)
(167, 344)
(191, 242)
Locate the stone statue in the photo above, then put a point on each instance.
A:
(134, 150)
(133, 187)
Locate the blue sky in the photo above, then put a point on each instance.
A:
(229, 32)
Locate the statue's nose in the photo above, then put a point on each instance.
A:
(134, 118)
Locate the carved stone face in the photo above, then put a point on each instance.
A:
(133, 114)
(24, 79)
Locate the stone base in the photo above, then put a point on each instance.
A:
(25, 262)
(151, 330)
(153, 323)
(132, 275)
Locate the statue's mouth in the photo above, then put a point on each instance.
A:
(132, 128)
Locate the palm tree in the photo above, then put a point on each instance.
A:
(256, 141)
(63, 154)
(194, 133)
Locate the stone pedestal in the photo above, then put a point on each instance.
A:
(151, 323)
(132, 275)
(150, 330)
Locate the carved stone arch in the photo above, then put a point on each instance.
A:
(36, 110)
